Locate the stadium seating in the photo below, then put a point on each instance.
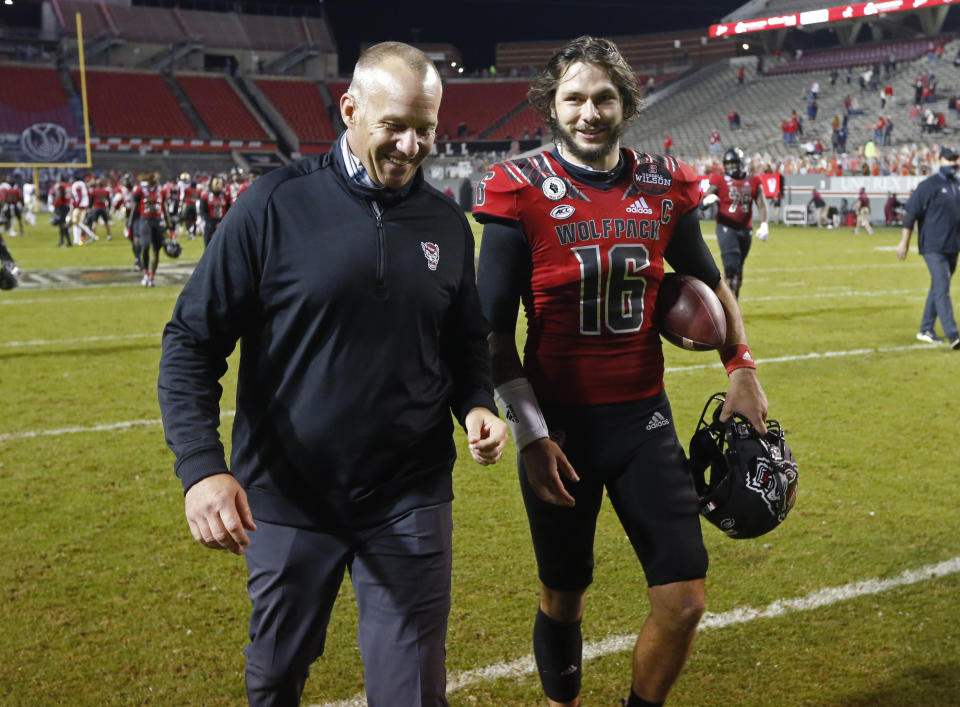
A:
(216, 29)
(301, 105)
(220, 108)
(478, 104)
(94, 21)
(136, 104)
(154, 25)
(32, 94)
(828, 59)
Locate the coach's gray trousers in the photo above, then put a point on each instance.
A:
(400, 572)
(941, 267)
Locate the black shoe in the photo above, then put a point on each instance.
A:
(955, 344)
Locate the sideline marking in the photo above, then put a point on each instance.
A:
(616, 644)
(80, 340)
(673, 369)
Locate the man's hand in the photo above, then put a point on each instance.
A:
(218, 513)
(746, 397)
(545, 463)
(487, 435)
(709, 199)
(763, 230)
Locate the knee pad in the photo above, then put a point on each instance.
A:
(558, 648)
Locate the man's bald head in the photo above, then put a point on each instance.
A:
(383, 63)
(391, 111)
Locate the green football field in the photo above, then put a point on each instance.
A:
(855, 600)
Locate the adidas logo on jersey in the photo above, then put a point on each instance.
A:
(657, 420)
(639, 207)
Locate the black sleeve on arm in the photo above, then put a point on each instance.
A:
(465, 343)
(503, 273)
(688, 254)
(208, 319)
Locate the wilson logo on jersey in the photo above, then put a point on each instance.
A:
(562, 211)
(431, 252)
(639, 207)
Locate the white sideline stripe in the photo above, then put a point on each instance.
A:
(93, 428)
(806, 357)
(165, 292)
(616, 644)
(673, 369)
(81, 340)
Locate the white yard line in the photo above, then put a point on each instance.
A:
(672, 369)
(620, 644)
(79, 340)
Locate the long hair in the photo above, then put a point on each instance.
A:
(590, 50)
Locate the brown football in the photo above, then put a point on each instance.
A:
(689, 313)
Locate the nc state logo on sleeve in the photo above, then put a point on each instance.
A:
(653, 179)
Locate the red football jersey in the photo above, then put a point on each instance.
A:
(148, 200)
(100, 197)
(736, 199)
(597, 259)
(217, 203)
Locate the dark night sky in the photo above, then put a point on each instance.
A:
(475, 26)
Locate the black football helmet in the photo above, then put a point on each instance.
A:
(172, 248)
(733, 164)
(753, 477)
(9, 275)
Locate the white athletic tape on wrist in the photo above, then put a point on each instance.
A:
(520, 408)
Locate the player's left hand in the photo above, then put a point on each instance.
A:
(746, 397)
(709, 199)
(763, 230)
(486, 434)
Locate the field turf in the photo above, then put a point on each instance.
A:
(106, 599)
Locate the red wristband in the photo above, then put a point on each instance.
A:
(737, 356)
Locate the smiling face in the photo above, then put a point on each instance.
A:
(587, 116)
(391, 118)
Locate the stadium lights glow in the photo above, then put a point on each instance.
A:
(453, 65)
(745, 46)
(8, 2)
(824, 14)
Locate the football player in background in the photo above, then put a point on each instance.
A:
(736, 194)
(79, 203)
(188, 194)
(580, 235)
(148, 221)
(13, 206)
(99, 206)
(58, 199)
(213, 207)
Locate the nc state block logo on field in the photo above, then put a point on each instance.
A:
(653, 179)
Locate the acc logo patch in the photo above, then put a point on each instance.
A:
(653, 179)
(562, 211)
(431, 251)
(554, 188)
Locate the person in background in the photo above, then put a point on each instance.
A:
(935, 207)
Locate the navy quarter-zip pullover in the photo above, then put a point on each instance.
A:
(360, 331)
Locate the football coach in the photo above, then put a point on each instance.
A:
(349, 283)
(935, 207)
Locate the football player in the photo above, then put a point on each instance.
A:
(13, 206)
(188, 194)
(79, 203)
(99, 206)
(148, 221)
(213, 206)
(58, 199)
(736, 194)
(579, 235)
